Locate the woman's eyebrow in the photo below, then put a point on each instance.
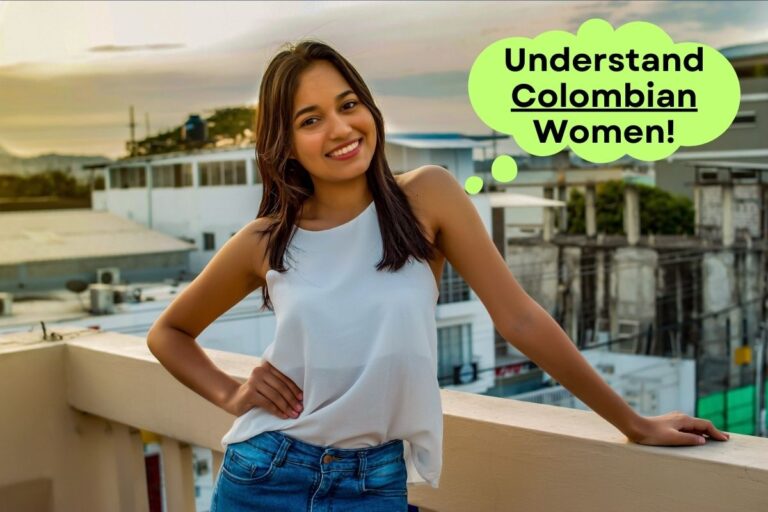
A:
(315, 107)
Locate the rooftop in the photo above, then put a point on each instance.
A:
(743, 51)
(55, 235)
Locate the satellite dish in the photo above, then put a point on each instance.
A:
(77, 286)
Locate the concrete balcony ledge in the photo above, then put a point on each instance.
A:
(67, 403)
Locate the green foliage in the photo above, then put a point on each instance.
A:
(229, 122)
(222, 124)
(48, 183)
(661, 213)
(576, 212)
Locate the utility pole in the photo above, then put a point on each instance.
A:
(760, 346)
(132, 125)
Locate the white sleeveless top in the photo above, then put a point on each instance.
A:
(360, 343)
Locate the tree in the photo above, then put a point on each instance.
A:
(49, 183)
(661, 212)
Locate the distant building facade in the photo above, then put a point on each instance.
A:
(745, 141)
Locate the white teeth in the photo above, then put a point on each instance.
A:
(345, 149)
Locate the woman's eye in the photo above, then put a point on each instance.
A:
(306, 122)
(353, 103)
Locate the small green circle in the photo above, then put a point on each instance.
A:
(473, 185)
(504, 169)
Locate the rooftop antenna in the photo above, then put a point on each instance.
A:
(132, 125)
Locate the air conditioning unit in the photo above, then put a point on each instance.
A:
(102, 299)
(465, 373)
(630, 330)
(124, 293)
(6, 300)
(110, 275)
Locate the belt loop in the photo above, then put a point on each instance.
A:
(361, 466)
(282, 451)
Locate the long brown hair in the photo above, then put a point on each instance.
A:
(287, 184)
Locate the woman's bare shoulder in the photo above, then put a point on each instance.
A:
(419, 186)
(419, 180)
(255, 237)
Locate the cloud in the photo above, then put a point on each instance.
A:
(716, 24)
(430, 85)
(107, 48)
(415, 56)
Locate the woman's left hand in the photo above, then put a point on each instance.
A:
(675, 429)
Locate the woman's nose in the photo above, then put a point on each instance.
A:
(340, 128)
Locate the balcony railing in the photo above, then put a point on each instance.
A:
(70, 442)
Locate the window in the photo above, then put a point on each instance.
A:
(745, 118)
(209, 242)
(162, 176)
(127, 177)
(228, 172)
(172, 175)
(453, 288)
(454, 348)
(186, 175)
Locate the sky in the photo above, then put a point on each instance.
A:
(69, 71)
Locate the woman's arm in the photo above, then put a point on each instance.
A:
(462, 238)
(228, 278)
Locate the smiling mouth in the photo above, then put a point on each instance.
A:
(346, 149)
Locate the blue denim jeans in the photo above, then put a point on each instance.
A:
(276, 472)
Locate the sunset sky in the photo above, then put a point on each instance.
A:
(70, 70)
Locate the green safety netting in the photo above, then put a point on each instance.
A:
(732, 410)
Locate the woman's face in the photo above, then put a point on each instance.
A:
(334, 135)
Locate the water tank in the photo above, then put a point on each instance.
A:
(102, 299)
(194, 130)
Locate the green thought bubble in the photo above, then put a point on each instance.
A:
(605, 93)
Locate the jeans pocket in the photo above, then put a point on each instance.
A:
(388, 479)
(247, 464)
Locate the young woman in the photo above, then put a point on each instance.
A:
(345, 409)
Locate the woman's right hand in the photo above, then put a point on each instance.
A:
(268, 389)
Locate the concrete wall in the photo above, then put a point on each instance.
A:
(733, 282)
(45, 444)
(633, 289)
(746, 210)
(498, 454)
(536, 269)
(571, 290)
